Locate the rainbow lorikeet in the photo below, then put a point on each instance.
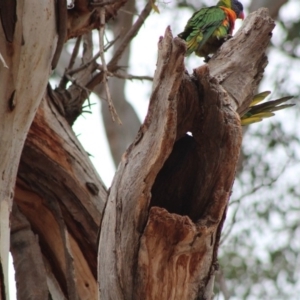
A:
(210, 27)
(257, 113)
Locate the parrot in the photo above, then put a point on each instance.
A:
(257, 112)
(210, 27)
(204, 34)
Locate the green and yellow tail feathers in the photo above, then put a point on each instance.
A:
(257, 113)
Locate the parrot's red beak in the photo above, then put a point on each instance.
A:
(241, 15)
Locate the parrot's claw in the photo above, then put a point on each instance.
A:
(207, 59)
(227, 37)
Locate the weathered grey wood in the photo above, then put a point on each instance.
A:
(239, 64)
(22, 85)
(154, 172)
(124, 218)
(199, 189)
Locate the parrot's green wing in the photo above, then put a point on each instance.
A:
(257, 113)
(201, 26)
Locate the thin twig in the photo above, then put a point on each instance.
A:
(111, 43)
(233, 221)
(111, 107)
(74, 81)
(112, 65)
(75, 52)
(63, 83)
(131, 34)
(128, 12)
(250, 192)
(103, 3)
(238, 202)
(125, 75)
(256, 188)
(89, 105)
(83, 66)
(132, 77)
(3, 61)
(97, 55)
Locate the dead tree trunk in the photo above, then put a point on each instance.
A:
(164, 215)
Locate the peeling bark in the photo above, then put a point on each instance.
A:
(175, 257)
(57, 181)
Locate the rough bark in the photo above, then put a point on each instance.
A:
(84, 16)
(62, 197)
(25, 25)
(135, 191)
(31, 38)
(146, 252)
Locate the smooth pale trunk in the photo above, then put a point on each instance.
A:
(22, 84)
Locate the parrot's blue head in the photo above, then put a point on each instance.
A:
(238, 8)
